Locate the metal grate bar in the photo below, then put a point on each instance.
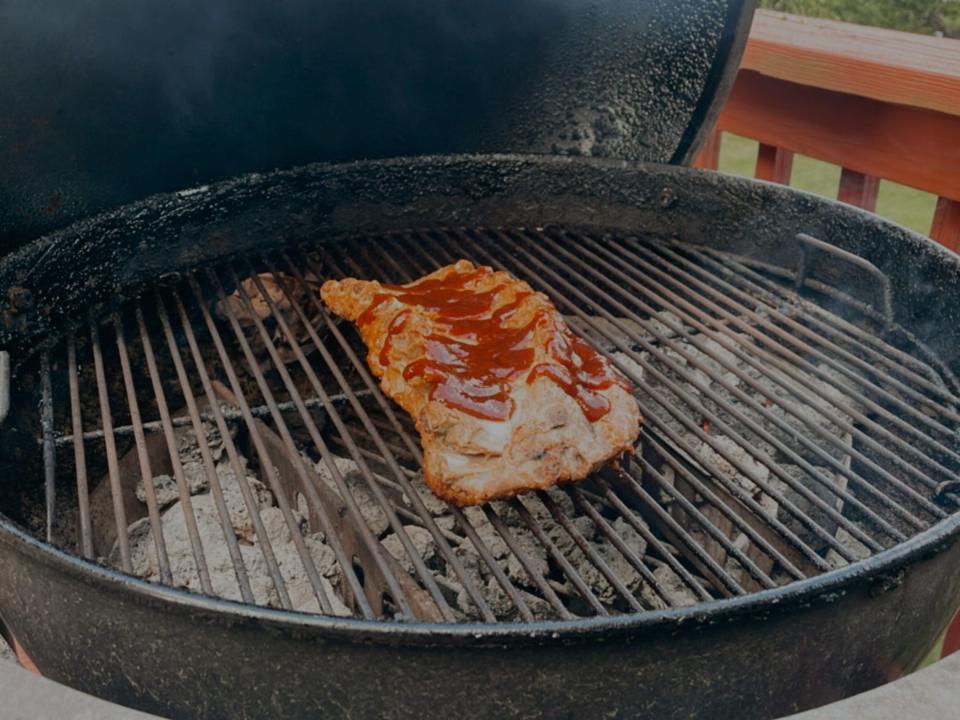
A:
(763, 411)
(788, 367)
(49, 451)
(106, 419)
(183, 492)
(229, 414)
(146, 473)
(80, 457)
(266, 464)
(223, 514)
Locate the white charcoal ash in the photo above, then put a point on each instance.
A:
(434, 505)
(422, 542)
(828, 493)
(628, 367)
(732, 566)
(616, 561)
(165, 487)
(223, 574)
(715, 456)
(677, 592)
(857, 549)
(601, 331)
(368, 505)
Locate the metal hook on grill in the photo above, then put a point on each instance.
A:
(808, 243)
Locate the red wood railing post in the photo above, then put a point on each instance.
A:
(709, 157)
(879, 103)
(946, 223)
(858, 189)
(774, 164)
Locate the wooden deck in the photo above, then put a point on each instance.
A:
(880, 104)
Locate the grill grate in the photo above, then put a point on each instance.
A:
(784, 436)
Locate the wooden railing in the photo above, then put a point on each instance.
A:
(880, 104)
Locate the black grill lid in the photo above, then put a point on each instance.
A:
(108, 102)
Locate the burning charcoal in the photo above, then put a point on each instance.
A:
(536, 555)
(630, 537)
(733, 566)
(370, 508)
(180, 553)
(857, 548)
(673, 587)
(452, 584)
(659, 323)
(141, 542)
(562, 539)
(275, 525)
(187, 444)
(237, 507)
(599, 330)
(503, 607)
(324, 558)
(302, 594)
(821, 491)
(628, 366)
(485, 530)
(435, 506)
(423, 542)
(166, 487)
(713, 458)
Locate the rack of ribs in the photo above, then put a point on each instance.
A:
(505, 398)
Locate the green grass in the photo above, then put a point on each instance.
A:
(907, 206)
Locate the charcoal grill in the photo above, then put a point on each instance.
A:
(792, 493)
(208, 507)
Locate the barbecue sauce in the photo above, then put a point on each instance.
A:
(472, 359)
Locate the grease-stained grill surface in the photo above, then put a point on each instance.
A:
(783, 437)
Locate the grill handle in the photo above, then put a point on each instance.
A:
(808, 244)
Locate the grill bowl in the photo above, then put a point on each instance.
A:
(776, 650)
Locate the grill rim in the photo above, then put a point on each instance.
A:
(933, 541)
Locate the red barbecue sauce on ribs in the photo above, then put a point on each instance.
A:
(473, 362)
